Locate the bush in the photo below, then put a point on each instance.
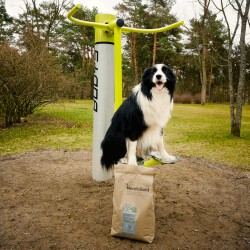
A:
(27, 81)
(197, 98)
(185, 98)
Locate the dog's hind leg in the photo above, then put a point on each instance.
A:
(131, 152)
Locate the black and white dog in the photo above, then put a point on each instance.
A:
(137, 125)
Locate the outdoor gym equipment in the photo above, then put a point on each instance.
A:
(107, 91)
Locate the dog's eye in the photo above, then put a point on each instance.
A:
(154, 70)
(164, 68)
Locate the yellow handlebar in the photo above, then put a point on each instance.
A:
(115, 27)
(81, 22)
(163, 29)
(111, 25)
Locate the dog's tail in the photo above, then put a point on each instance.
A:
(113, 149)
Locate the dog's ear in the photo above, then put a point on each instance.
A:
(171, 80)
(170, 75)
(147, 83)
(147, 73)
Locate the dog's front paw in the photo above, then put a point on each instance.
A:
(124, 160)
(165, 157)
(170, 159)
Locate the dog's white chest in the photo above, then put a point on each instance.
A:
(157, 111)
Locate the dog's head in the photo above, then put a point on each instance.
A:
(158, 78)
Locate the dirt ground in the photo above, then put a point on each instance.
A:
(48, 200)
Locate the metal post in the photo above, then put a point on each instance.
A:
(103, 93)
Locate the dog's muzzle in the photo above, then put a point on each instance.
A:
(159, 82)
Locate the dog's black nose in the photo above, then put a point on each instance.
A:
(158, 77)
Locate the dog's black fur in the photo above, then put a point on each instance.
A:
(128, 121)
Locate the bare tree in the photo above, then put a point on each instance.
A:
(44, 18)
(205, 4)
(236, 101)
(236, 126)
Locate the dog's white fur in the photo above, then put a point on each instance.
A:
(156, 115)
(137, 126)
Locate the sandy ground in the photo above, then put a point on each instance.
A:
(48, 200)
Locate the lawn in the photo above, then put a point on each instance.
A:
(194, 130)
(65, 125)
(200, 131)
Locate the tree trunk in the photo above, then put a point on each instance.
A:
(210, 82)
(154, 50)
(131, 53)
(84, 47)
(205, 5)
(231, 90)
(134, 58)
(204, 75)
(235, 130)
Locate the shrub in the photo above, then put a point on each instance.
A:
(185, 98)
(197, 98)
(27, 81)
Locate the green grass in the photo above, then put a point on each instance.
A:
(193, 131)
(66, 125)
(200, 131)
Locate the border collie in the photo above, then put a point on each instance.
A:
(137, 125)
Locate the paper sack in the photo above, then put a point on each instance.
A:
(133, 203)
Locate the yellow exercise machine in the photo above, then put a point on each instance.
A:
(107, 92)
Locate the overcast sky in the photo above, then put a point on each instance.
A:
(183, 9)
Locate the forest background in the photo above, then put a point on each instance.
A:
(44, 57)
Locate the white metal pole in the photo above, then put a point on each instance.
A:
(103, 94)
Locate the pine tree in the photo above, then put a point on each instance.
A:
(5, 23)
